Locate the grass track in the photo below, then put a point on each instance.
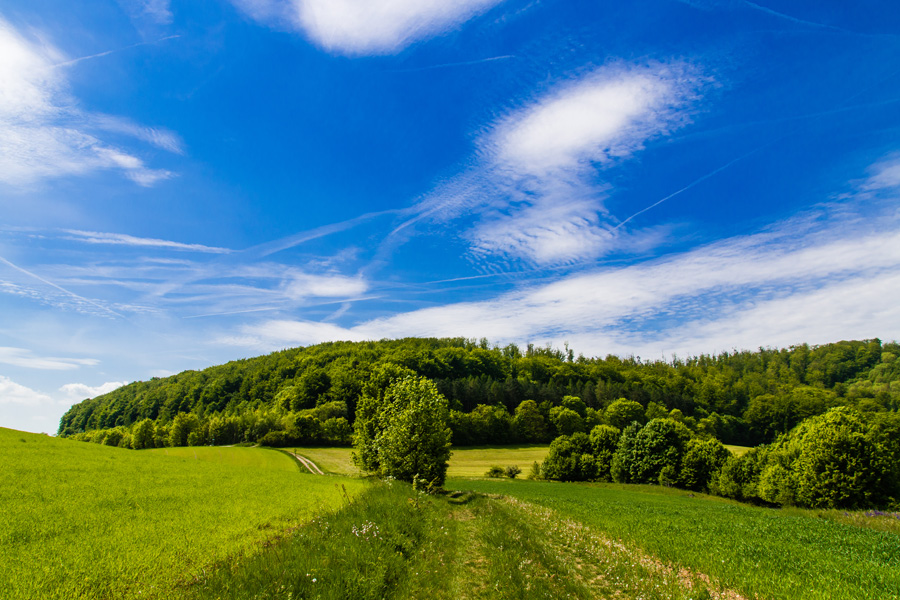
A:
(87, 521)
(763, 553)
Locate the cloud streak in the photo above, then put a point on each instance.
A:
(21, 357)
(121, 239)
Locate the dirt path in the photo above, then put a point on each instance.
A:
(310, 465)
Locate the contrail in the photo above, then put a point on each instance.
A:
(78, 60)
(60, 288)
(781, 15)
(280, 244)
(696, 181)
(453, 64)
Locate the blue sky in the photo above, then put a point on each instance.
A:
(183, 183)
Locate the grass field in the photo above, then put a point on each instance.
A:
(464, 462)
(762, 553)
(259, 458)
(87, 521)
(93, 522)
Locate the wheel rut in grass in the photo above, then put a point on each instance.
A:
(310, 465)
(609, 568)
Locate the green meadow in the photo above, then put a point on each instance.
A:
(206, 523)
(758, 552)
(89, 521)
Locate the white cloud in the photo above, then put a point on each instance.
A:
(80, 391)
(885, 175)
(121, 239)
(361, 27)
(21, 357)
(42, 131)
(157, 136)
(303, 285)
(855, 308)
(535, 186)
(608, 114)
(787, 285)
(13, 393)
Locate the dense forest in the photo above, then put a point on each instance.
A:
(497, 394)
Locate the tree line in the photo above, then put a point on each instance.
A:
(843, 458)
(496, 395)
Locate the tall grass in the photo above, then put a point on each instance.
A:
(87, 521)
(763, 553)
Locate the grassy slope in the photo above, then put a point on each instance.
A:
(464, 462)
(88, 521)
(761, 552)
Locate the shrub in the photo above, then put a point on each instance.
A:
(570, 459)
(703, 459)
(512, 471)
(496, 472)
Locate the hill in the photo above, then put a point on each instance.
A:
(743, 398)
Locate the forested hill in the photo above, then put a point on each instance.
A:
(311, 393)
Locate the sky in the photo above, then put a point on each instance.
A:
(188, 183)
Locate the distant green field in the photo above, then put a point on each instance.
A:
(738, 450)
(464, 462)
(760, 552)
(81, 520)
(474, 462)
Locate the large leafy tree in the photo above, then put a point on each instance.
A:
(404, 433)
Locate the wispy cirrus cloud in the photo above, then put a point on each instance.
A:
(144, 275)
(21, 357)
(157, 12)
(43, 132)
(363, 27)
(815, 278)
(534, 187)
(121, 239)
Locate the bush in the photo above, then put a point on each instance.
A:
(570, 459)
(495, 472)
(703, 459)
(512, 471)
